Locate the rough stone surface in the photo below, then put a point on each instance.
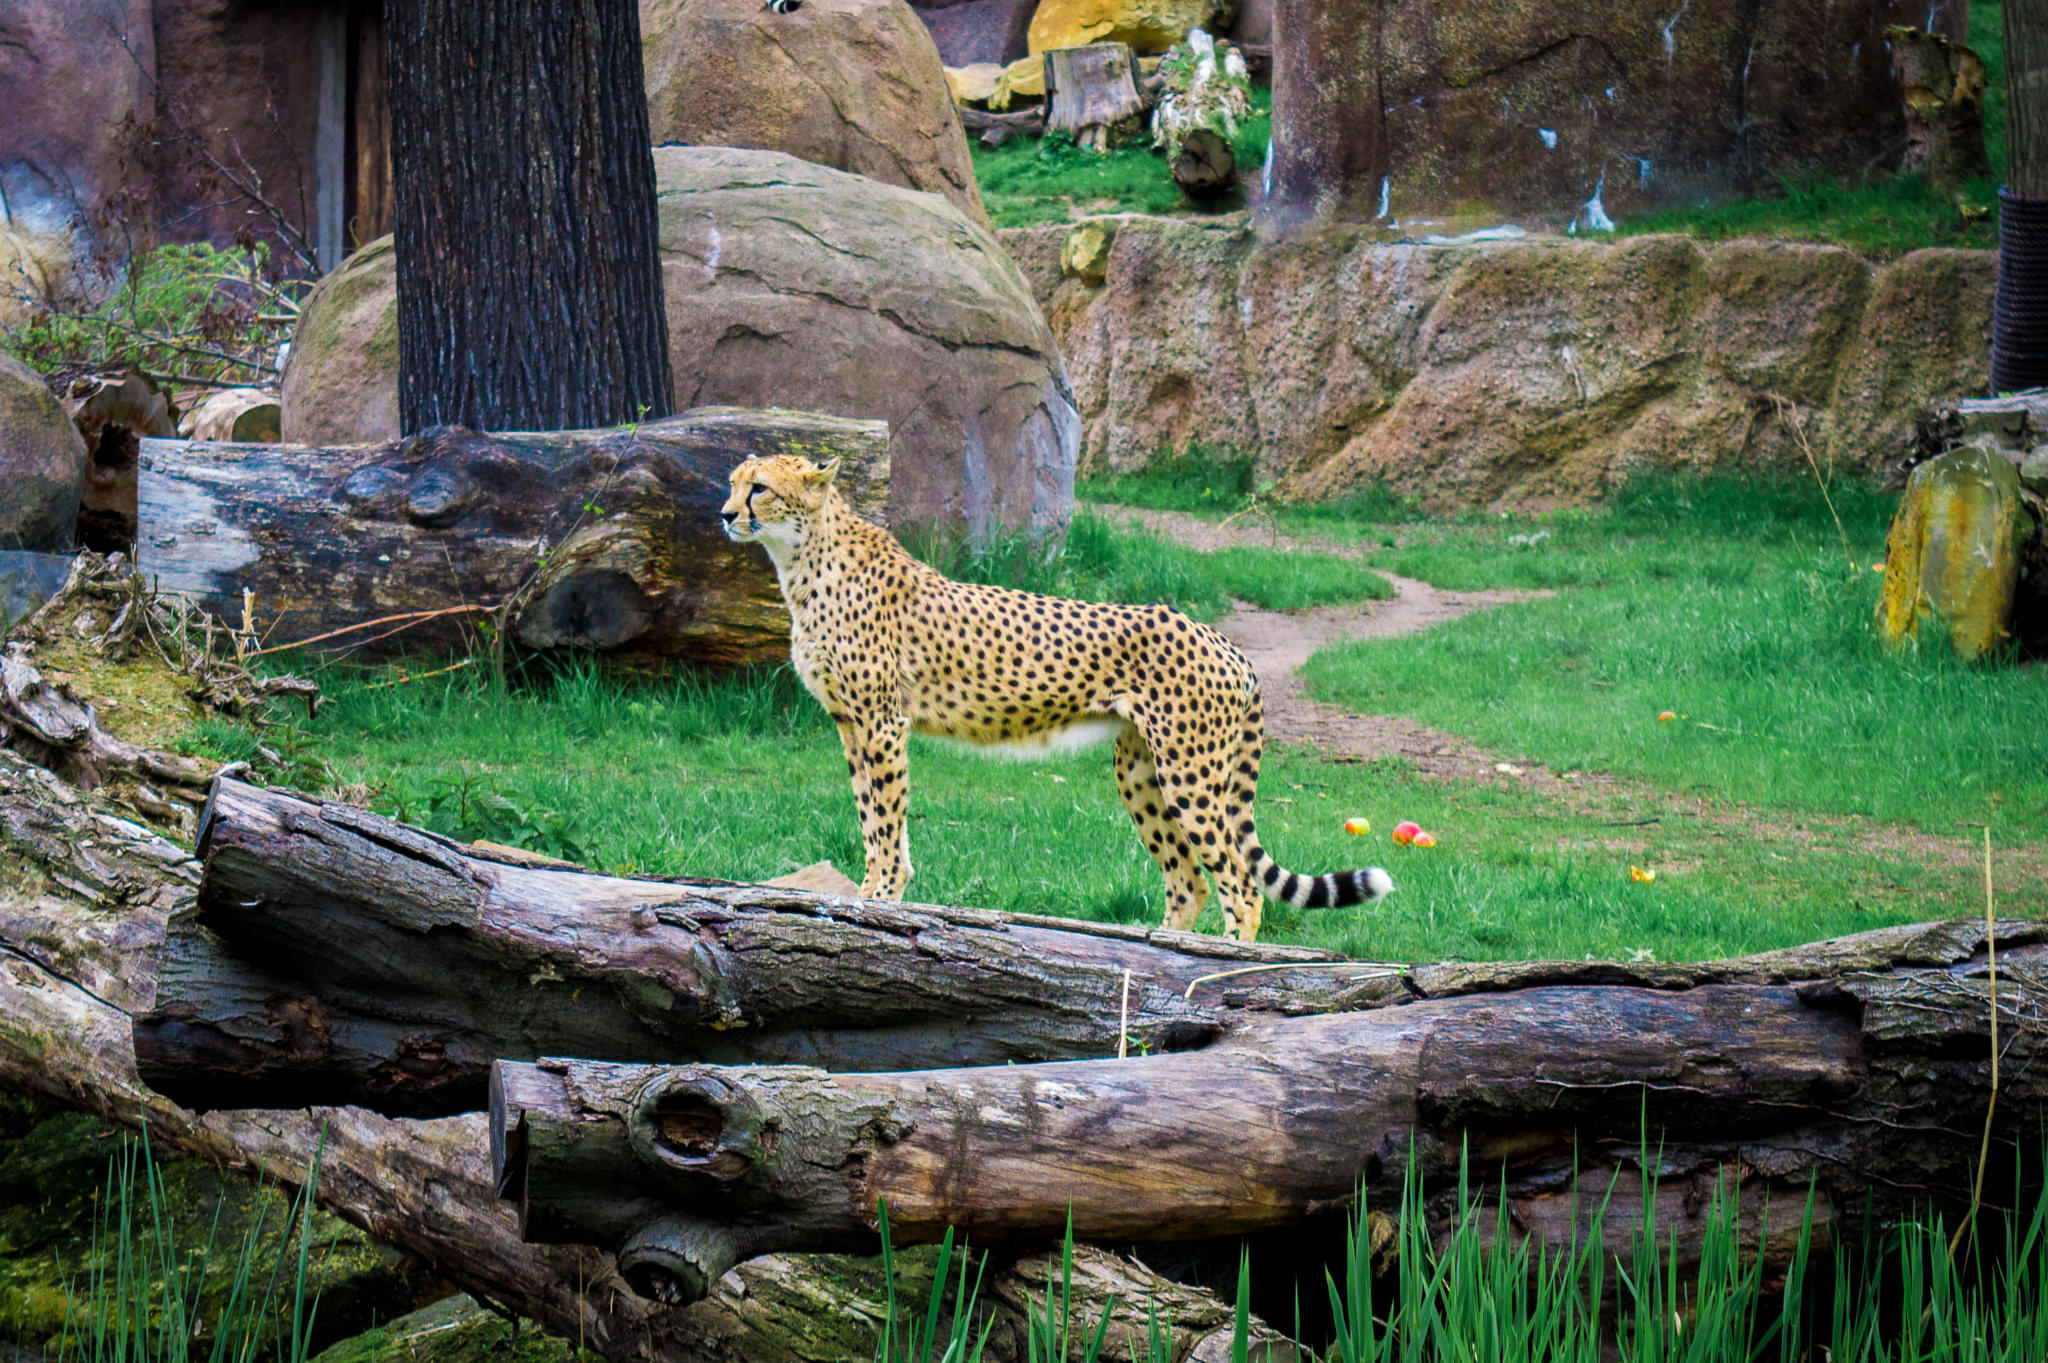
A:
(1147, 25)
(1539, 368)
(42, 463)
(340, 382)
(1527, 110)
(1954, 550)
(971, 31)
(792, 285)
(68, 143)
(852, 84)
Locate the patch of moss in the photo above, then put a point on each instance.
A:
(454, 1330)
(54, 1184)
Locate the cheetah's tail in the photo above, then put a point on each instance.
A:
(1338, 889)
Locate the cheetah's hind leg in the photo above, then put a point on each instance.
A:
(1137, 780)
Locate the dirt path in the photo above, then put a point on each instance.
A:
(1277, 643)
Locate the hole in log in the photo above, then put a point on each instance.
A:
(106, 512)
(597, 609)
(688, 1126)
(658, 1284)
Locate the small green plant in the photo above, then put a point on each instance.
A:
(904, 1341)
(1050, 1333)
(138, 1300)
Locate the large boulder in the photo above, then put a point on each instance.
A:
(1529, 110)
(1147, 25)
(1954, 550)
(969, 32)
(789, 284)
(852, 84)
(1500, 370)
(340, 382)
(42, 463)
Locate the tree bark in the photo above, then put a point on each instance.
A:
(83, 905)
(1091, 92)
(2026, 103)
(604, 539)
(1941, 83)
(1330, 152)
(529, 289)
(278, 986)
(1870, 1083)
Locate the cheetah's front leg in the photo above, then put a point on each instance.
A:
(877, 759)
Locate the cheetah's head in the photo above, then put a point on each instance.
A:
(774, 501)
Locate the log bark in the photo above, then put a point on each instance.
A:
(1868, 1084)
(529, 280)
(336, 956)
(84, 900)
(606, 539)
(1091, 92)
(1206, 167)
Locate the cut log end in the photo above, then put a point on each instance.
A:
(1206, 168)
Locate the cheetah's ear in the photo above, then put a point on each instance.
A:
(824, 474)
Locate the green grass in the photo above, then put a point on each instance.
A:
(1736, 606)
(1106, 562)
(1029, 181)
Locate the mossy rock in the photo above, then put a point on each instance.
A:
(1954, 551)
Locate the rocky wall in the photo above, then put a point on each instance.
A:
(1487, 372)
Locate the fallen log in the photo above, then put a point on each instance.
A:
(1869, 1086)
(82, 911)
(333, 955)
(606, 540)
(1205, 166)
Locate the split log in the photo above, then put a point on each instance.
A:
(115, 412)
(243, 415)
(333, 955)
(1205, 166)
(589, 539)
(1868, 1084)
(82, 912)
(1031, 120)
(1091, 92)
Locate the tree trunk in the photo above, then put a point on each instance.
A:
(529, 289)
(1330, 153)
(2026, 102)
(603, 539)
(1942, 85)
(1206, 167)
(1869, 1084)
(1091, 93)
(278, 987)
(2019, 322)
(82, 912)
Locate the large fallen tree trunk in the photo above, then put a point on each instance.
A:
(84, 898)
(333, 955)
(1866, 1084)
(593, 539)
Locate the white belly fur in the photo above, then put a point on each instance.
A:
(1074, 737)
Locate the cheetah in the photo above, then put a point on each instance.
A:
(888, 645)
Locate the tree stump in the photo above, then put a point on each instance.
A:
(1942, 84)
(1091, 93)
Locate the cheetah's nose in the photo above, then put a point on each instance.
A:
(730, 516)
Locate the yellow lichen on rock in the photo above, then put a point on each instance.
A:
(1084, 255)
(974, 84)
(1147, 25)
(1953, 551)
(1024, 76)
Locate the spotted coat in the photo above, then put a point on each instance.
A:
(887, 645)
